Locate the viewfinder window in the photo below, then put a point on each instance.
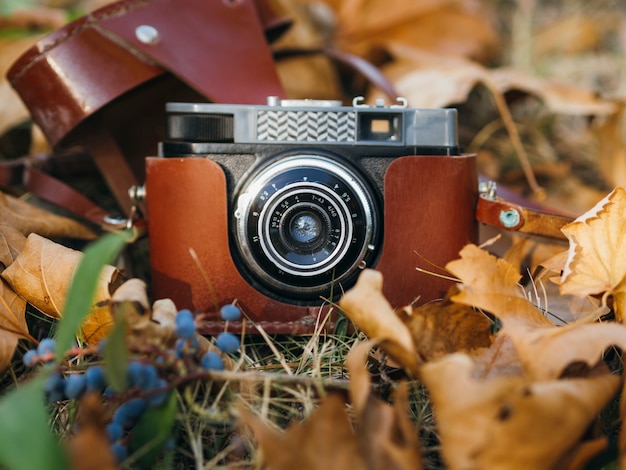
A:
(380, 127)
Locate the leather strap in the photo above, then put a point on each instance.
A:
(111, 162)
(22, 172)
(513, 217)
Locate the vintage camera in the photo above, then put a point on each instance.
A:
(281, 206)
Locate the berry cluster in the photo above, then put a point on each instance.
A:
(149, 378)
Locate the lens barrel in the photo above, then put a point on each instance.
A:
(304, 222)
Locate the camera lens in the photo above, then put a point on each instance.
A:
(303, 223)
(305, 228)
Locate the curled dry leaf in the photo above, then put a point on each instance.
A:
(386, 436)
(544, 350)
(130, 304)
(12, 242)
(305, 77)
(491, 284)
(12, 323)
(31, 219)
(325, 440)
(42, 275)
(596, 262)
(507, 422)
(366, 306)
(443, 327)
(547, 353)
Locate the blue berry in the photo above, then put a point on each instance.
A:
(119, 452)
(158, 399)
(133, 372)
(185, 324)
(230, 312)
(187, 347)
(95, 378)
(227, 342)
(30, 358)
(149, 377)
(212, 361)
(54, 387)
(46, 346)
(114, 432)
(127, 413)
(75, 385)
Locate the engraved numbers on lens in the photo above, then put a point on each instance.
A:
(304, 222)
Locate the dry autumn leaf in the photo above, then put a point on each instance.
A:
(443, 327)
(325, 440)
(596, 262)
(12, 242)
(450, 79)
(42, 274)
(544, 350)
(386, 436)
(305, 77)
(445, 27)
(509, 422)
(366, 306)
(28, 219)
(491, 284)
(383, 438)
(12, 323)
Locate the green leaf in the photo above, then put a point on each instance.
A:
(25, 438)
(116, 356)
(80, 296)
(152, 432)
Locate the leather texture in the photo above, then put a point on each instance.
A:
(96, 74)
(428, 215)
(513, 217)
(98, 58)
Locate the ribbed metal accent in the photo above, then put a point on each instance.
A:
(200, 127)
(305, 126)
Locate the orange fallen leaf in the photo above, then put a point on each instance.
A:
(12, 242)
(387, 437)
(444, 27)
(509, 422)
(443, 327)
(42, 274)
(368, 308)
(31, 219)
(596, 263)
(12, 323)
(544, 350)
(325, 440)
(491, 284)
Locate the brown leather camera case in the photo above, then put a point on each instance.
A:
(429, 206)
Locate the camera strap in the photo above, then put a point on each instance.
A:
(516, 214)
(28, 174)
